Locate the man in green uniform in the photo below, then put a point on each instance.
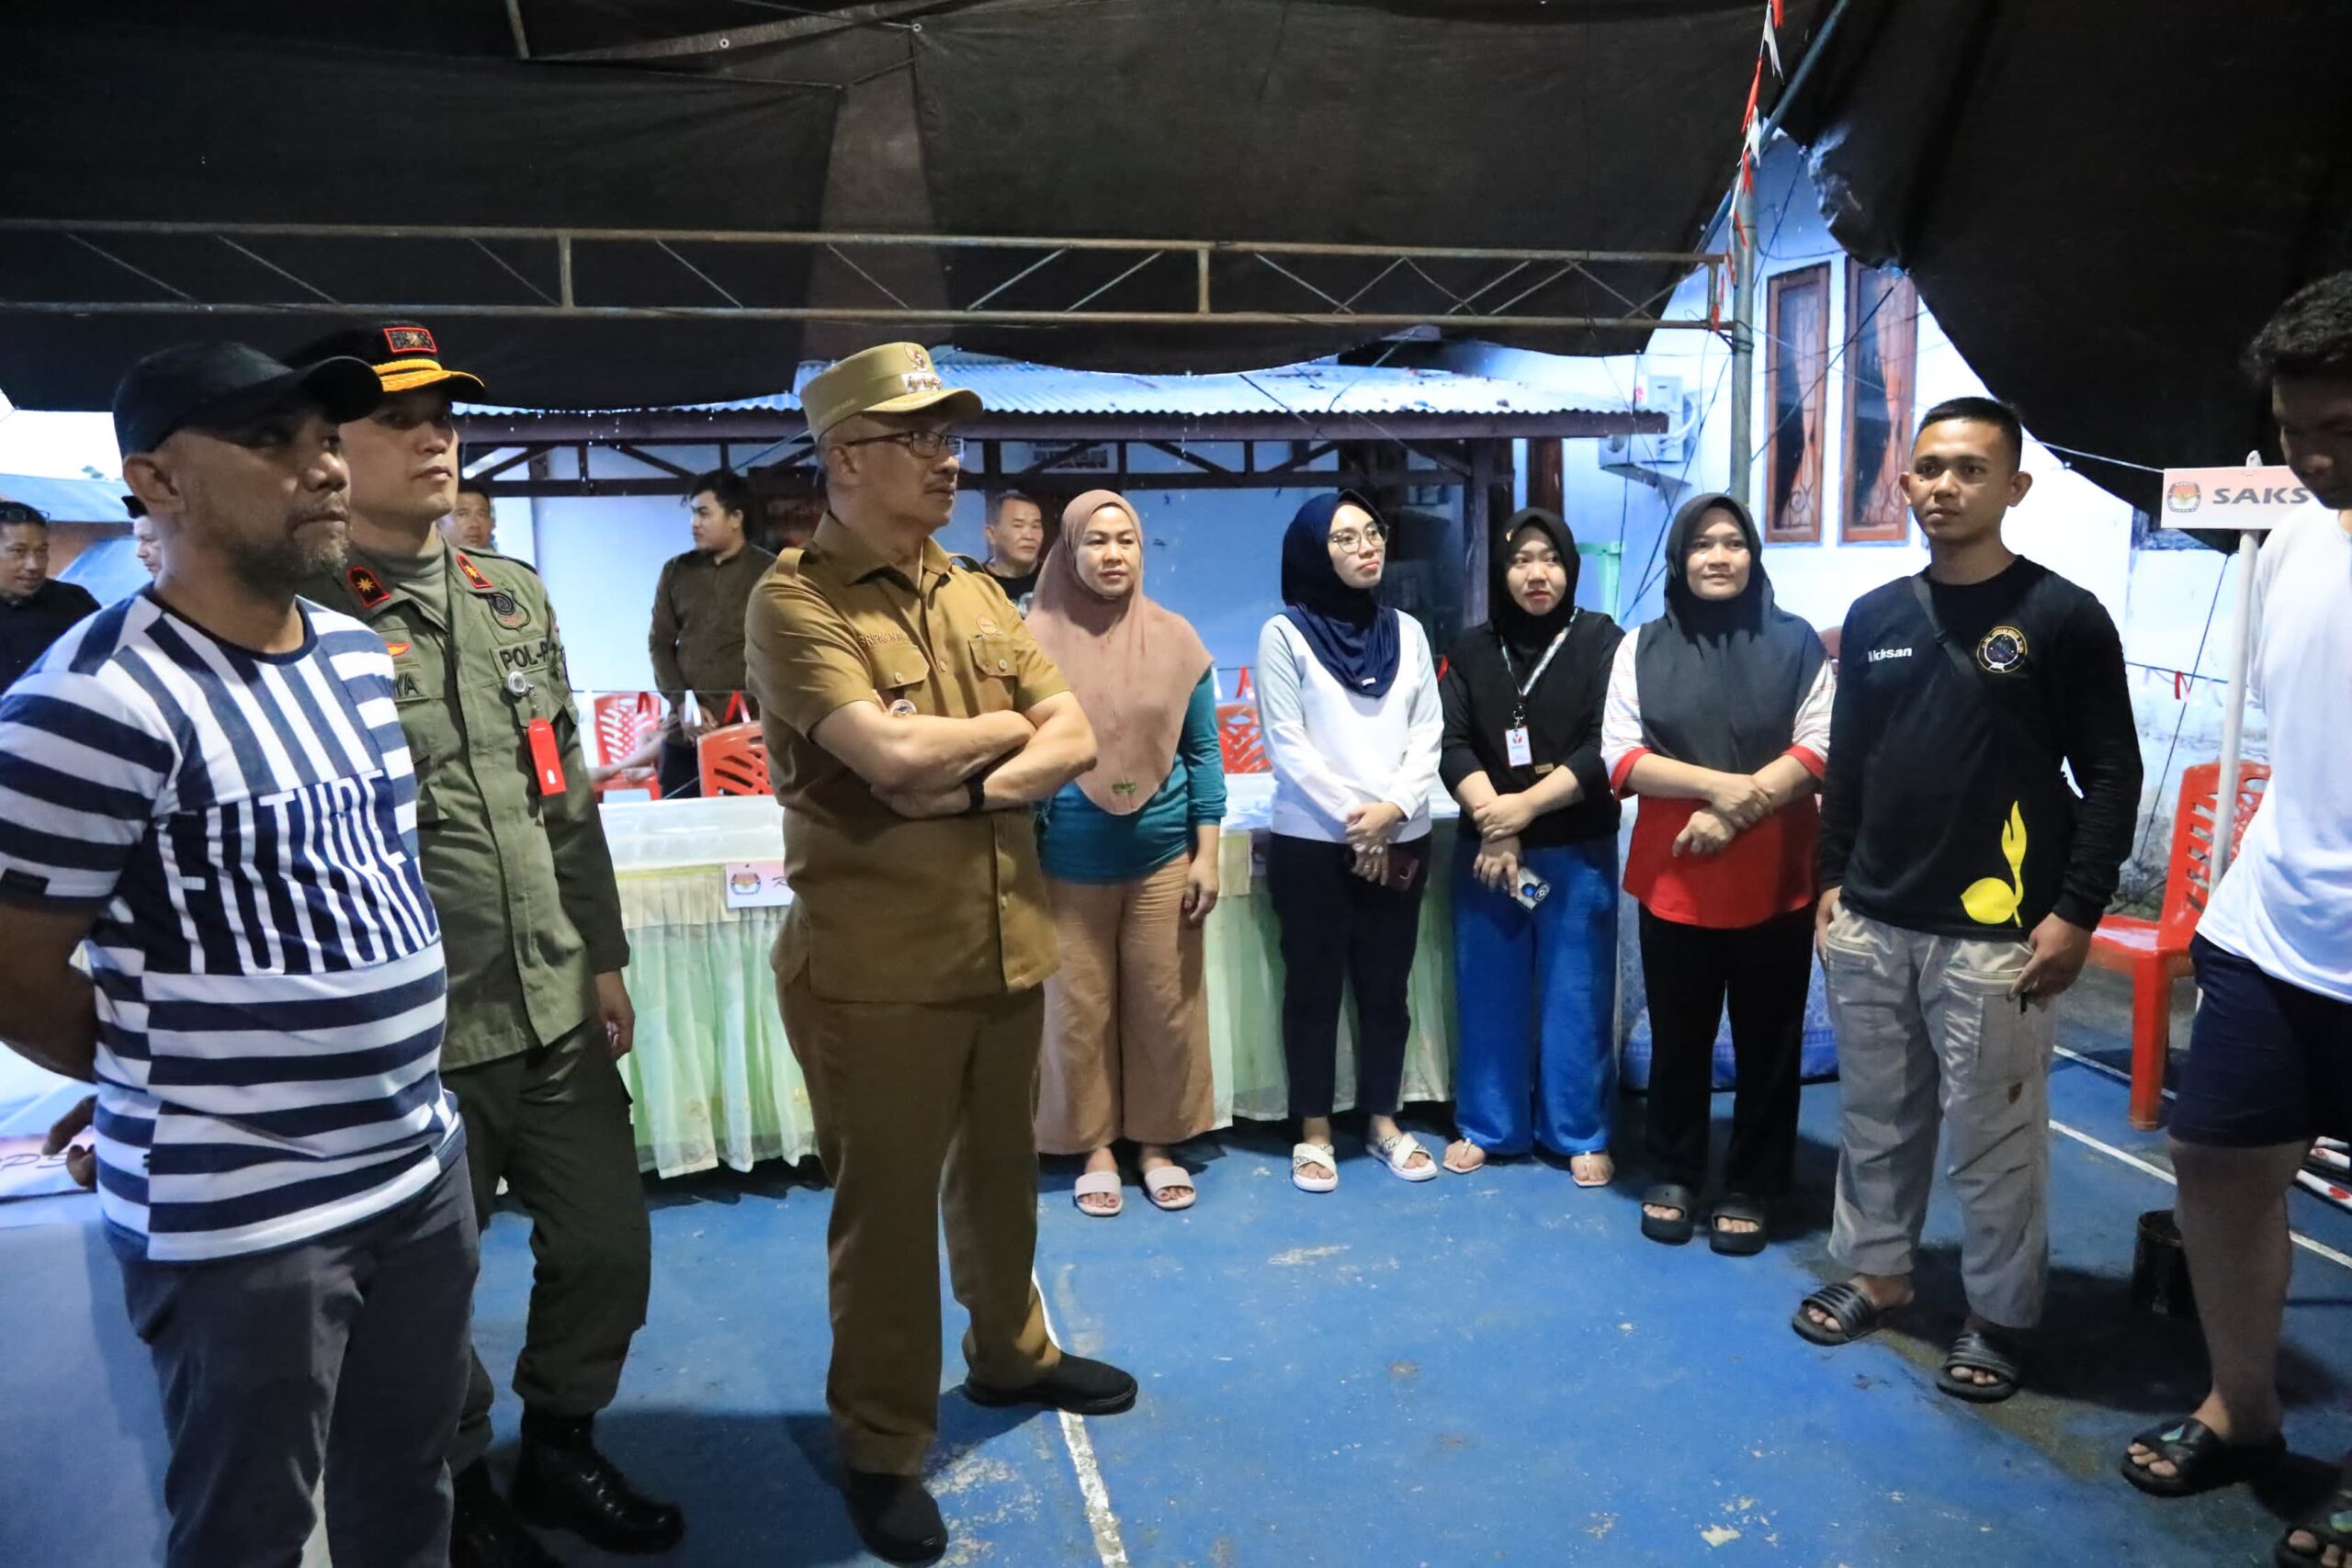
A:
(912, 725)
(516, 860)
(697, 637)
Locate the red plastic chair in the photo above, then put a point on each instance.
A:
(734, 761)
(2155, 952)
(1237, 737)
(626, 721)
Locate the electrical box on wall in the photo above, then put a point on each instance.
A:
(1650, 458)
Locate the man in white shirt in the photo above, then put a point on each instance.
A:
(2270, 1063)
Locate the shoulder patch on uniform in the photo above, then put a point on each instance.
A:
(367, 587)
(474, 576)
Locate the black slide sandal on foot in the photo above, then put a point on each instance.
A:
(1855, 1314)
(1738, 1244)
(1975, 1350)
(2330, 1524)
(1673, 1232)
(2201, 1461)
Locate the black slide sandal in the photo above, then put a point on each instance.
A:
(2330, 1524)
(1975, 1350)
(1738, 1244)
(2201, 1461)
(1855, 1314)
(1668, 1195)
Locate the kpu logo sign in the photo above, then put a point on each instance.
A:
(2241, 499)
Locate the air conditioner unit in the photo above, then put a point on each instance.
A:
(1662, 394)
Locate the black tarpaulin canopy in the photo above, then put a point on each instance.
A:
(1571, 125)
(2100, 200)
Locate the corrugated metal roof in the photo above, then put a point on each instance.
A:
(1323, 386)
(66, 500)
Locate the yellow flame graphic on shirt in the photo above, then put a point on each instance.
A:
(1991, 901)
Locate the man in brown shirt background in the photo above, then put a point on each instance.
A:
(911, 725)
(697, 640)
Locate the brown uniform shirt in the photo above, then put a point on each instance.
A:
(894, 910)
(697, 638)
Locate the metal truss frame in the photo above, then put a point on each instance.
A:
(1482, 288)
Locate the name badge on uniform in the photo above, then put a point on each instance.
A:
(1517, 747)
(545, 760)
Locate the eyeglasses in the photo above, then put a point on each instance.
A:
(1348, 539)
(930, 446)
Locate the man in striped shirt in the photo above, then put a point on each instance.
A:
(205, 789)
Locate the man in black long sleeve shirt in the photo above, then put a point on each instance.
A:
(1963, 877)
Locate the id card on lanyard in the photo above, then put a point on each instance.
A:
(1519, 747)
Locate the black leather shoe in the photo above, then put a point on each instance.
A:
(562, 1482)
(895, 1517)
(484, 1532)
(1080, 1386)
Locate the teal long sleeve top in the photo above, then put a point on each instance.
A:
(1080, 842)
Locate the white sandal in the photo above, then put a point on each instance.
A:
(1396, 1149)
(1160, 1179)
(1303, 1155)
(1096, 1183)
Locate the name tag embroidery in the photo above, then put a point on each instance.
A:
(1879, 653)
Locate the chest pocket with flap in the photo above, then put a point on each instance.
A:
(899, 668)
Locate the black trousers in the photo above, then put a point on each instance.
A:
(679, 769)
(1764, 972)
(1338, 929)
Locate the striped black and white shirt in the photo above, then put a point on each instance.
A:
(268, 969)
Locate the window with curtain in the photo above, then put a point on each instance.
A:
(1882, 363)
(1796, 399)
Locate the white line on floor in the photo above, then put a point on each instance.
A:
(2317, 1248)
(1108, 1545)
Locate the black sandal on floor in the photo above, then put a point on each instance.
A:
(1976, 1351)
(1855, 1314)
(1668, 1195)
(2330, 1524)
(2201, 1459)
(1738, 1244)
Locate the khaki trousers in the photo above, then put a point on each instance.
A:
(1127, 1024)
(1927, 1032)
(903, 1096)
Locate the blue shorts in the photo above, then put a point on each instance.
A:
(2268, 1063)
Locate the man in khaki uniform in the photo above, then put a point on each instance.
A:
(516, 860)
(911, 725)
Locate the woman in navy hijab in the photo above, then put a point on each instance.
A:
(1347, 699)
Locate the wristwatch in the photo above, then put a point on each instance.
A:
(977, 787)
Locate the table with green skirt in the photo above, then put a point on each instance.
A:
(714, 1080)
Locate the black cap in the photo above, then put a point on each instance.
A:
(215, 384)
(405, 354)
(17, 511)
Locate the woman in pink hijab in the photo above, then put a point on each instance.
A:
(1130, 859)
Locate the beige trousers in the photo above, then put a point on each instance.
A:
(1926, 1035)
(1127, 1021)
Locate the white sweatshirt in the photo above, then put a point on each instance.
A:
(1333, 750)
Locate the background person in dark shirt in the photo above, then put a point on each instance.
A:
(1962, 878)
(35, 609)
(1538, 986)
(1016, 537)
(698, 608)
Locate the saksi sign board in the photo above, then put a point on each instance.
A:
(2238, 500)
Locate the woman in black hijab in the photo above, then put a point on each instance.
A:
(1535, 873)
(1718, 719)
